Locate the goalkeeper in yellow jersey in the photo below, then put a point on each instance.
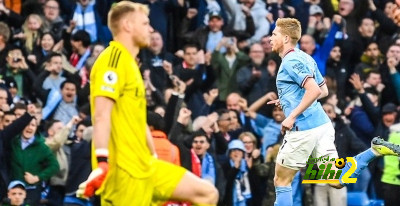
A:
(127, 172)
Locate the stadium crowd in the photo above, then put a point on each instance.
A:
(208, 74)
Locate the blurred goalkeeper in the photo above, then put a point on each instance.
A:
(127, 172)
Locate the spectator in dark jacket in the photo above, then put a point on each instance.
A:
(40, 165)
(6, 136)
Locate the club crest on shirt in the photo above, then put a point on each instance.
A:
(110, 77)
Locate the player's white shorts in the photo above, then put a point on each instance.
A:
(297, 146)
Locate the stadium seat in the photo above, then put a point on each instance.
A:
(357, 199)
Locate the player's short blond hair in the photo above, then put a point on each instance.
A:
(120, 10)
(290, 27)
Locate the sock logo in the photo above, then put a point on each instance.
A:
(327, 173)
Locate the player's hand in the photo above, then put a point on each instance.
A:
(287, 124)
(95, 180)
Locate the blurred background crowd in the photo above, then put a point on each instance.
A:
(208, 73)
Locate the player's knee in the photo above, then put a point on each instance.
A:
(281, 180)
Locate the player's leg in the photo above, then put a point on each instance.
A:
(296, 148)
(122, 189)
(379, 147)
(196, 190)
(176, 183)
(282, 181)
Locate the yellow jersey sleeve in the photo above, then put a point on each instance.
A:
(107, 75)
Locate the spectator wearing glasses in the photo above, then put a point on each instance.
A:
(254, 78)
(52, 20)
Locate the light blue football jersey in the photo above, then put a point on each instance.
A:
(295, 69)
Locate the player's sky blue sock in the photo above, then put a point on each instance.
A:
(362, 159)
(283, 196)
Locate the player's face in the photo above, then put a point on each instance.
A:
(142, 30)
(277, 40)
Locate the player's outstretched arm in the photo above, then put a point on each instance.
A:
(101, 136)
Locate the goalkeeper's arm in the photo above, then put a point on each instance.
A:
(101, 136)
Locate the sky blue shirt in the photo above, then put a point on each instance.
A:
(295, 69)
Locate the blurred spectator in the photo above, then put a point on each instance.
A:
(209, 36)
(16, 194)
(336, 75)
(30, 33)
(321, 53)
(268, 128)
(235, 102)
(254, 79)
(87, 18)
(19, 109)
(67, 107)
(39, 167)
(18, 69)
(79, 164)
(160, 18)
(7, 119)
(165, 150)
(318, 25)
(226, 66)
(266, 44)
(52, 21)
(4, 38)
(239, 184)
(391, 171)
(198, 76)
(6, 138)
(371, 59)
(240, 12)
(390, 78)
(194, 153)
(78, 48)
(13, 90)
(40, 53)
(253, 159)
(57, 137)
(155, 58)
(12, 19)
(97, 48)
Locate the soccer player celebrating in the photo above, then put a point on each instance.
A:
(127, 173)
(308, 130)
